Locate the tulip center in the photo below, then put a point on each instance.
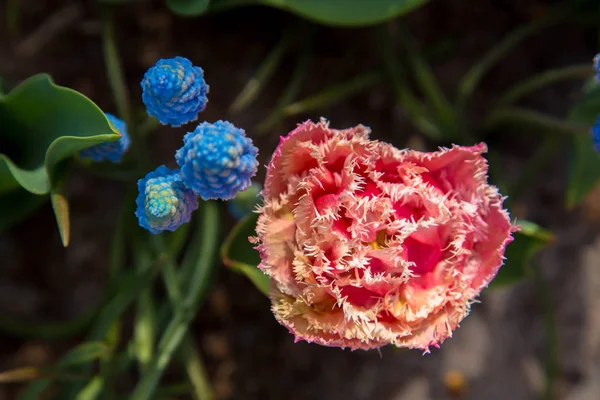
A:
(379, 242)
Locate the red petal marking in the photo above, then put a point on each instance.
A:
(390, 171)
(406, 210)
(335, 161)
(376, 266)
(359, 296)
(386, 316)
(326, 203)
(370, 190)
(430, 179)
(425, 256)
(342, 224)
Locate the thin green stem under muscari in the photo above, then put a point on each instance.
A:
(185, 310)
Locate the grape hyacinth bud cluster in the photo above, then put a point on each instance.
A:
(216, 160)
(109, 151)
(174, 91)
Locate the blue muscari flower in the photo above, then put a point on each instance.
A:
(596, 134)
(245, 202)
(163, 201)
(217, 160)
(111, 151)
(174, 91)
(597, 66)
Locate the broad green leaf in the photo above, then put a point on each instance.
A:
(347, 13)
(42, 124)
(528, 241)
(239, 254)
(188, 7)
(584, 163)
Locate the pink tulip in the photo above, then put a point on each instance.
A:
(369, 245)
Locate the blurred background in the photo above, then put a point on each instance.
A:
(539, 338)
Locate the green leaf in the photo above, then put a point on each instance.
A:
(188, 7)
(347, 13)
(528, 241)
(84, 353)
(81, 354)
(239, 254)
(42, 124)
(584, 163)
(92, 390)
(60, 205)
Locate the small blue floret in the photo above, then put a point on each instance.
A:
(174, 91)
(597, 66)
(245, 202)
(596, 134)
(111, 151)
(163, 201)
(217, 160)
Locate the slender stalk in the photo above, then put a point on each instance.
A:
(472, 78)
(294, 85)
(416, 111)
(114, 69)
(531, 170)
(532, 119)
(523, 88)
(430, 88)
(185, 311)
(333, 94)
(552, 353)
(265, 72)
(188, 351)
(190, 355)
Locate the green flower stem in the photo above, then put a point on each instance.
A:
(131, 284)
(416, 111)
(294, 85)
(46, 331)
(190, 356)
(118, 84)
(176, 389)
(148, 125)
(333, 94)
(144, 327)
(472, 78)
(552, 352)
(188, 352)
(531, 170)
(92, 390)
(114, 69)
(546, 78)
(429, 87)
(265, 72)
(533, 120)
(185, 311)
(108, 365)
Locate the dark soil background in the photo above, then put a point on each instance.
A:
(501, 347)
